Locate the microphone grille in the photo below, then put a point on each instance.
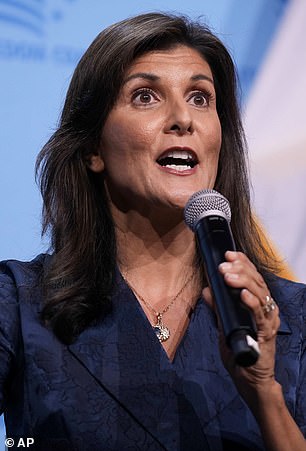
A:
(206, 203)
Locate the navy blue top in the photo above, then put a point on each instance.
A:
(114, 388)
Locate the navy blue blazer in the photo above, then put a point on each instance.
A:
(114, 388)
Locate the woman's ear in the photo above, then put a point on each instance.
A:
(95, 163)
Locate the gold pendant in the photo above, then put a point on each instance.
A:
(162, 332)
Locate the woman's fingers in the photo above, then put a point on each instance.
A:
(239, 272)
(267, 322)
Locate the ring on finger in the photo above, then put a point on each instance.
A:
(269, 305)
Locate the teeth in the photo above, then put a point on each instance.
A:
(180, 160)
(182, 154)
(177, 167)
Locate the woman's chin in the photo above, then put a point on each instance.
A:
(180, 199)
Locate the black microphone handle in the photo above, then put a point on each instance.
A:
(214, 238)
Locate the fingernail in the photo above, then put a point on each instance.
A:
(232, 276)
(225, 266)
(230, 253)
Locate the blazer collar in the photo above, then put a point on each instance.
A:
(124, 356)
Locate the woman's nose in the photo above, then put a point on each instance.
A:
(180, 119)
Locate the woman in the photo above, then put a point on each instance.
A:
(107, 344)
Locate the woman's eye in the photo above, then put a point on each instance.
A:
(144, 97)
(199, 99)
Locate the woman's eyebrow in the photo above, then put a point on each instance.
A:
(143, 75)
(202, 77)
(152, 77)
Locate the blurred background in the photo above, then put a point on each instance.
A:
(40, 44)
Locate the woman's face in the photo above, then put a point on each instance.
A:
(161, 140)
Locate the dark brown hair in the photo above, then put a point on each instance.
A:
(80, 276)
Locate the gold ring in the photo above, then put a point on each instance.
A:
(269, 306)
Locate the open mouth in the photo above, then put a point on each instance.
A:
(180, 160)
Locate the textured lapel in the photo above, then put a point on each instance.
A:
(126, 359)
(123, 355)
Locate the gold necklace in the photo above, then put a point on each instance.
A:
(161, 330)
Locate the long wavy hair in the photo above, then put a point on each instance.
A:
(80, 276)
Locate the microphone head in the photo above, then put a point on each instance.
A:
(207, 202)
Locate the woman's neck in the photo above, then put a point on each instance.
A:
(154, 255)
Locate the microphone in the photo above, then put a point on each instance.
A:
(208, 214)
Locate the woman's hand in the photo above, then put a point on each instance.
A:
(239, 272)
(256, 384)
